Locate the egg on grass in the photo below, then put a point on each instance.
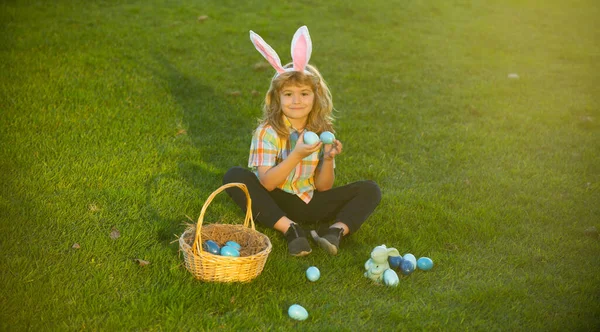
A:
(297, 312)
(390, 278)
(313, 273)
(395, 262)
(407, 267)
(425, 264)
(411, 258)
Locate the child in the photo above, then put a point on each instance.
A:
(291, 182)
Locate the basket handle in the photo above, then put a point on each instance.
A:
(248, 220)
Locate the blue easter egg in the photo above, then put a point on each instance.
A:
(313, 273)
(395, 261)
(407, 267)
(327, 137)
(411, 258)
(229, 251)
(212, 247)
(425, 263)
(310, 138)
(390, 278)
(233, 244)
(297, 312)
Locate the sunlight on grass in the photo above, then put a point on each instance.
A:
(125, 116)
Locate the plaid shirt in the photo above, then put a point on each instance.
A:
(268, 149)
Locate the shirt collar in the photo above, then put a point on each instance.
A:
(289, 126)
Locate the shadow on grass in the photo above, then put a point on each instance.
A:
(217, 123)
(219, 133)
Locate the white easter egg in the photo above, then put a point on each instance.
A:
(390, 278)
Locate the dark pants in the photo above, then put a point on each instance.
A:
(351, 204)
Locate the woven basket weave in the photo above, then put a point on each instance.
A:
(209, 267)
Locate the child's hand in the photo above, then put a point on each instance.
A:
(332, 150)
(303, 149)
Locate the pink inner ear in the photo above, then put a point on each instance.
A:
(269, 58)
(299, 55)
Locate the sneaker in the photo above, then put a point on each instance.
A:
(329, 239)
(297, 242)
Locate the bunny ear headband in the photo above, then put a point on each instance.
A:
(301, 50)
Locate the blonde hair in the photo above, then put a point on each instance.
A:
(320, 117)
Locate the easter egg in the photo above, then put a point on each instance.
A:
(327, 137)
(233, 244)
(310, 138)
(390, 278)
(297, 312)
(395, 261)
(407, 267)
(411, 258)
(211, 246)
(425, 263)
(313, 273)
(229, 251)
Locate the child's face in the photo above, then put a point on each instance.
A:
(297, 102)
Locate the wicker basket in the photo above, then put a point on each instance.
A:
(209, 267)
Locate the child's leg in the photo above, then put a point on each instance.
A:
(265, 209)
(349, 206)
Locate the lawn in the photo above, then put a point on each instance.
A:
(480, 120)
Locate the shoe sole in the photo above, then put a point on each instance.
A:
(324, 244)
(301, 254)
(327, 246)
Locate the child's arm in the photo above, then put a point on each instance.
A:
(325, 175)
(272, 176)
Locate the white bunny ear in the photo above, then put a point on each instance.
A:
(267, 51)
(301, 48)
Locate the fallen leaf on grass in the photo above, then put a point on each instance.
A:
(202, 18)
(93, 207)
(181, 132)
(114, 233)
(592, 232)
(141, 262)
(474, 111)
(76, 246)
(261, 66)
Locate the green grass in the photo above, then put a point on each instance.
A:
(120, 114)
